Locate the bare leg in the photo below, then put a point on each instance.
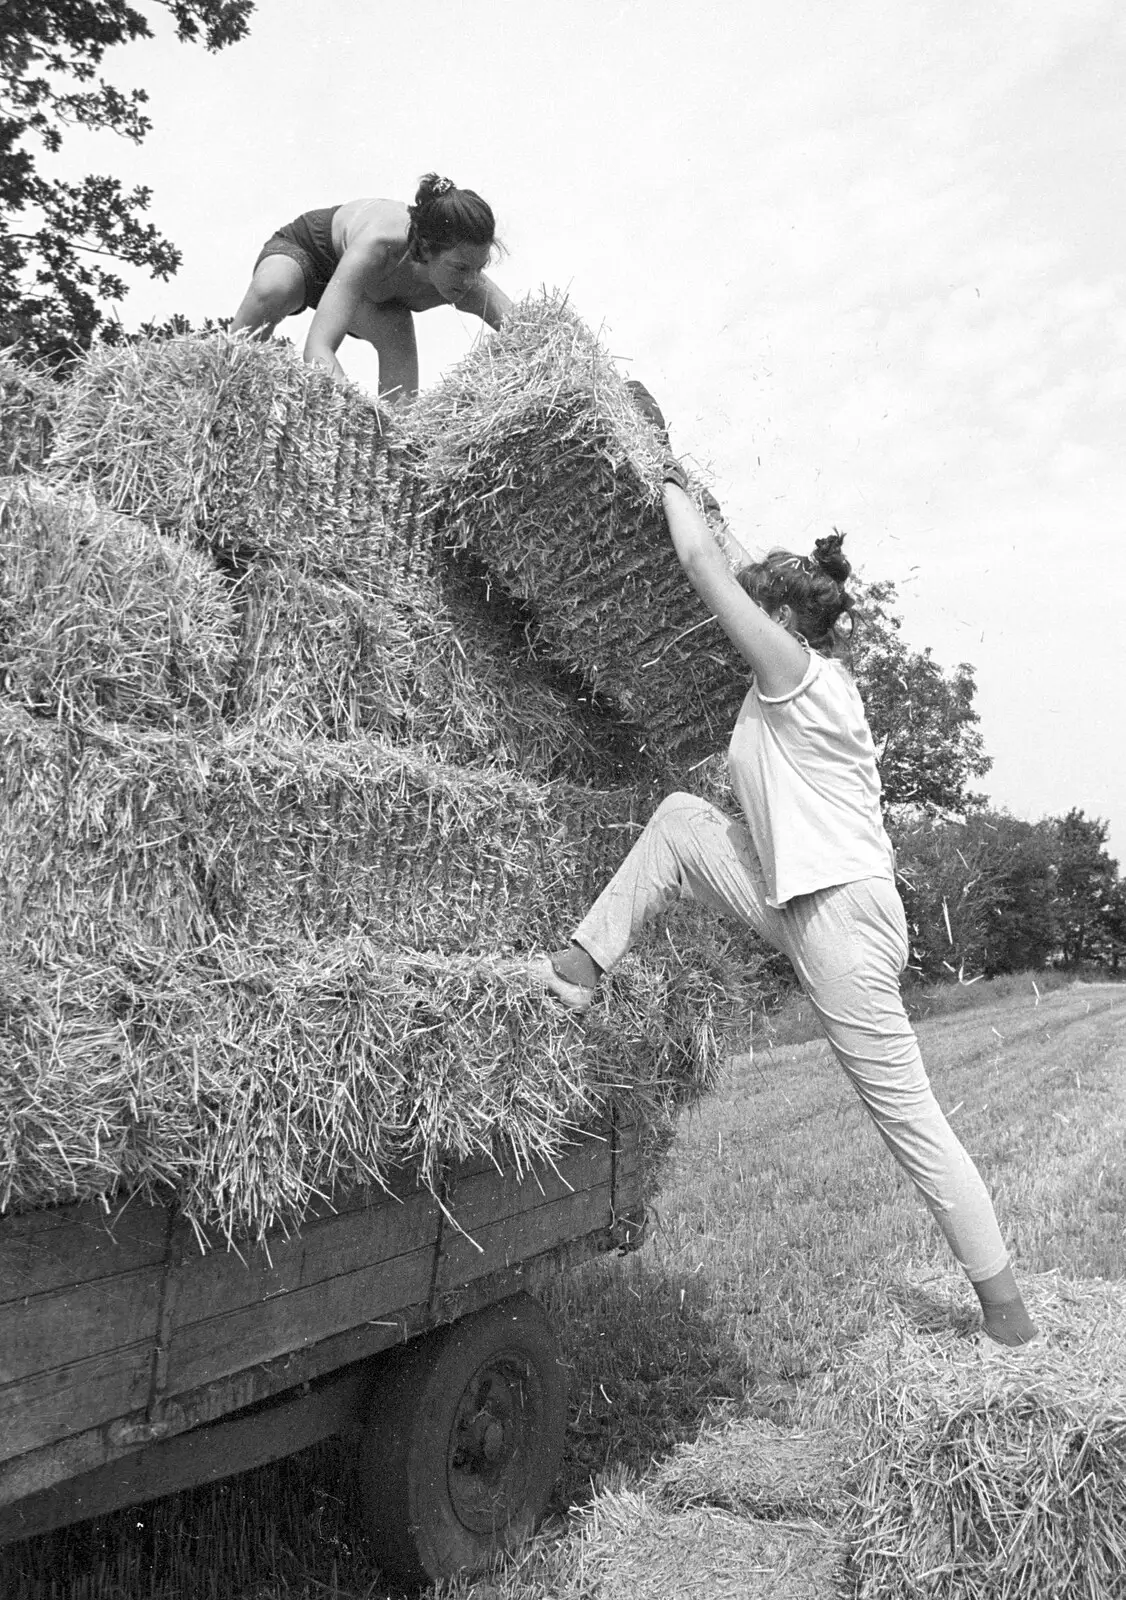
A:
(1004, 1316)
(390, 328)
(276, 290)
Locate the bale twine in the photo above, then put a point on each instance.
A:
(252, 1080)
(987, 1473)
(236, 442)
(29, 402)
(537, 458)
(103, 617)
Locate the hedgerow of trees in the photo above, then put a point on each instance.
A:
(987, 893)
(923, 719)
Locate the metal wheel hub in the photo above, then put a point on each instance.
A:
(491, 1443)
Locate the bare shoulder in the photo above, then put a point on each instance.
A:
(373, 227)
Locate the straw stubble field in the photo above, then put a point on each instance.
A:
(782, 1394)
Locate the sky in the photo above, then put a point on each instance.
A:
(870, 257)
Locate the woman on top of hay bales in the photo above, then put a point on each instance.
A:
(810, 868)
(368, 265)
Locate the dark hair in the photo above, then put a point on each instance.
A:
(444, 215)
(812, 586)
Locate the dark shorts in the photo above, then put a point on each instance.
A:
(308, 241)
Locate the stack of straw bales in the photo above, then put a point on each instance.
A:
(354, 618)
(28, 402)
(537, 459)
(287, 794)
(987, 1473)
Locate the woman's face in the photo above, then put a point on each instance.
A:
(454, 272)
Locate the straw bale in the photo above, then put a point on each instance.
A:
(756, 1467)
(989, 1473)
(235, 441)
(538, 460)
(431, 666)
(101, 616)
(251, 1080)
(116, 835)
(327, 836)
(635, 1548)
(86, 1110)
(96, 837)
(29, 402)
(552, 726)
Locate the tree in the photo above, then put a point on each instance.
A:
(979, 893)
(60, 241)
(1021, 922)
(1114, 924)
(922, 719)
(1087, 888)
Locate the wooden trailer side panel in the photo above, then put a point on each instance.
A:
(79, 1314)
(95, 1352)
(220, 1333)
(344, 1270)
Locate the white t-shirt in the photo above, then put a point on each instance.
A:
(803, 766)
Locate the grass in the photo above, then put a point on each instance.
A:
(793, 1021)
(783, 1238)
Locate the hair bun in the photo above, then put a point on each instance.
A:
(828, 555)
(432, 187)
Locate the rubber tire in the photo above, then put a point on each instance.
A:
(419, 1495)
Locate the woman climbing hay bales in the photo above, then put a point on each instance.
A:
(809, 867)
(367, 266)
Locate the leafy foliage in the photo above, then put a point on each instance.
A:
(992, 894)
(61, 241)
(1089, 897)
(979, 894)
(923, 719)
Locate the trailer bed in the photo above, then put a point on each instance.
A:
(133, 1363)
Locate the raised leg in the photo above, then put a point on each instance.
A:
(688, 849)
(277, 290)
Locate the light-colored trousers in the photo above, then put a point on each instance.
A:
(848, 946)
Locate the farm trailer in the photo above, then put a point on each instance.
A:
(133, 1363)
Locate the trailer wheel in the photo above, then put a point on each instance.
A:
(463, 1441)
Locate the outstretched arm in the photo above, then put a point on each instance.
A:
(360, 265)
(778, 661)
(486, 301)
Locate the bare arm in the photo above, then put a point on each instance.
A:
(362, 263)
(778, 661)
(486, 301)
